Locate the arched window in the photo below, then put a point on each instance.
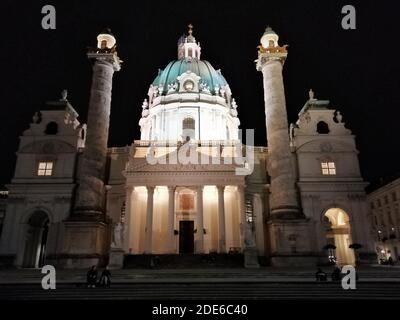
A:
(51, 128)
(188, 128)
(188, 123)
(322, 127)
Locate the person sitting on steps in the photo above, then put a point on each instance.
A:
(91, 277)
(320, 275)
(105, 278)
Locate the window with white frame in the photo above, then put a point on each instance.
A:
(328, 168)
(45, 168)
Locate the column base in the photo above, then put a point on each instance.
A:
(291, 243)
(77, 261)
(222, 246)
(83, 213)
(198, 247)
(251, 258)
(303, 260)
(287, 213)
(85, 244)
(116, 259)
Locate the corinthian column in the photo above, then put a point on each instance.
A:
(149, 220)
(90, 192)
(283, 199)
(221, 219)
(171, 219)
(199, 218)
(86, 231)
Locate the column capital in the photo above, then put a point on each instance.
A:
(221, 187)
(150, 188)
(111, 59)
(266, 57)
(171, 188)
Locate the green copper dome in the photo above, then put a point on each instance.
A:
(202, 68)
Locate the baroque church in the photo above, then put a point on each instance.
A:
(189, 186)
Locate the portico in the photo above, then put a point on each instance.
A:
(179, 211)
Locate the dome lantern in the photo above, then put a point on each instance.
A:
(188, 48)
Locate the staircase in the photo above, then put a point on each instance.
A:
(203, 284)
(184, 261)
(206, 291)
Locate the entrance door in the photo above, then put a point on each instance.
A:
(186, 236)
(36, 240)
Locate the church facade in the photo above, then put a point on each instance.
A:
(188, 186)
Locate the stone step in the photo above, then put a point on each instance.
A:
(205, 291)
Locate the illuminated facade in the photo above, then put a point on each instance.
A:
(385, 218)
(188, 186)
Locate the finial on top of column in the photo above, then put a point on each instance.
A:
(106, 40)
(105, 50)
(269, 49)
(269, 42)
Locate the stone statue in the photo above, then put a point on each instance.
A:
(233, 103)
(249, 237)
(172, 87)
(339, 117)
(118, 235)
(36, 117)
(311, 94)
(291, 132)
(204, 87)
(64, 95)
(145, 104)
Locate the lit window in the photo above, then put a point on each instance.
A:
(45, 168)
(328, 168)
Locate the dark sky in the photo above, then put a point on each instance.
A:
(357, 70)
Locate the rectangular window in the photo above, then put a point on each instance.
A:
(385, 198)
(45, 168)
(186, 202)
(394, 196)
(328, 168)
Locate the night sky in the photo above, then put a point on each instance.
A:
(357, 70)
